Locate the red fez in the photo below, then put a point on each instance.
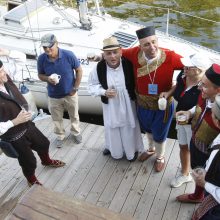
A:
(213, 74)
(1, 64)
(145, 32)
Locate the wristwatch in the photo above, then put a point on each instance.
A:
(75, 89)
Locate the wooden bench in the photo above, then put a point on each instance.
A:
(39, 203)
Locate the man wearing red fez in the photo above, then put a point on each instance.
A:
(204, 131)
(153, 69)
(209, 179)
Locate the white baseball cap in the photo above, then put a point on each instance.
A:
(198, 60)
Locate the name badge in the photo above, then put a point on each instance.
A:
(152, 89)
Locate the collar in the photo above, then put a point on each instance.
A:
(115, 69)
(3, 89)
(60, 54)
(209, 103)
(149, 61)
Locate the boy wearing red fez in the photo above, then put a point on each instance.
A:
(203, 128)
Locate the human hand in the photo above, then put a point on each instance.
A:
(22, 117)
(4, 52)
(93, 57)
(111, 93)
(72, 93)
(164, 95)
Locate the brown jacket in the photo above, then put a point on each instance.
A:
(10, 106)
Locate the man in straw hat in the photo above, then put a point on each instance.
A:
(204, 131)
(113, 80)
(209, 209)
(153, 70)
(17, 129)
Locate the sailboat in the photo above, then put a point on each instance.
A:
(80, 30)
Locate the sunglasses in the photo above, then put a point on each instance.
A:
(49, 47)
(189, 67)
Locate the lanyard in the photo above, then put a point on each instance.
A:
(155, 71)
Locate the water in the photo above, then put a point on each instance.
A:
(203, 32)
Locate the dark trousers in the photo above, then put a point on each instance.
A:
(198, 158)
(33, 139)
(212, 214)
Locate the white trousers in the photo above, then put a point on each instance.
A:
(124, 140)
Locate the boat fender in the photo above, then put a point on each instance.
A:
(29, 98)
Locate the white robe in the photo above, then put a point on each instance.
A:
(122, 130)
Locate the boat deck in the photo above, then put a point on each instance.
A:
(129, 188)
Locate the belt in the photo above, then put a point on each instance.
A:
(150, 102)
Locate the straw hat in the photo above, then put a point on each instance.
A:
(110, 43)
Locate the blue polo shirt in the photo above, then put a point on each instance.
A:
(64, 65)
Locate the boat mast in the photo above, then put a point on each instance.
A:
(98, 8)
(83, 14)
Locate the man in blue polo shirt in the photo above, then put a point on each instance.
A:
(62, 71)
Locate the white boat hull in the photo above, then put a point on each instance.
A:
(22, 32)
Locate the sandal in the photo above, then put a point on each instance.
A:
(159, 164)
(35, 182)
(55, 163)
(145, 155)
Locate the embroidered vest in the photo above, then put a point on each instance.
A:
(204, 131)
(10, 108)
(128, 73)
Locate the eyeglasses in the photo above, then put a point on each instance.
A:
(190, 67)
(48, 47)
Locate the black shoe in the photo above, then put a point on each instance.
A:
(134, 158)
(106, 152)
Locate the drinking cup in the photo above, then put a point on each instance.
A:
(113, 90)
(198, 172)
(55, 77)
(28, 108)
(162, 103)
(182, 119)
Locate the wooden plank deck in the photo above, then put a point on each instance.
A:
(129, 188)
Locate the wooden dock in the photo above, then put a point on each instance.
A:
(133, 189)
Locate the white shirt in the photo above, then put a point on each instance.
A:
(4, 126)
(119, 111)
(209, 105)
(209, 187)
